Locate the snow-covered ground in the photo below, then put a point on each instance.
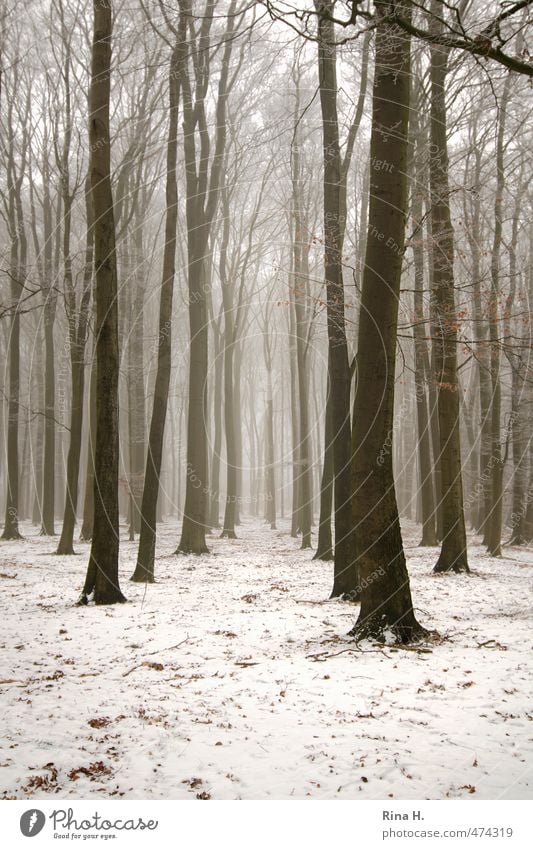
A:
(215, 682)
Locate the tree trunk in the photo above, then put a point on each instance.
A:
(77, 360)
(86, 532)
(386, 605)
(300, 269)
(429, 537)
(228, 529)
(203, 190)
(453, 555)
(345, 577)
(144, 570)
(324, 550)
(49, 455)
(18, 256)
(102, 571)
(494, 530)
(137, 408)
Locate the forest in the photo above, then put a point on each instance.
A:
(266, 283)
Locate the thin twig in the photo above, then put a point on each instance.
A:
(150, 653)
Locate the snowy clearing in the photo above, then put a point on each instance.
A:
(104, 702)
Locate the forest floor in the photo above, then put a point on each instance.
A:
(232, 678)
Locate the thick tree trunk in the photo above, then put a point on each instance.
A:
(102, 571)
(18, 257)
(386, 605)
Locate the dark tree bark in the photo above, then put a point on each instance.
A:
(386, 604)
(453, 555)
(17, 274)
(86, 532)
(345, 578)
(324, 544)
(144, 570)
(102, 571)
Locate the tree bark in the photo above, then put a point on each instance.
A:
(429, 537)
(324, 550)
(345, 578)
(78, 340)
(102, 572)
(203, 186)
(453, 555)
(144, 570)
(494, 530)
(386, 604)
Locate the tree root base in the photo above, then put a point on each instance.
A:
(11, 535)
(428, 543)
(353, 596)
(107, 598)
(380, 630)
(446, 568)
(142, 578)
(323, 555)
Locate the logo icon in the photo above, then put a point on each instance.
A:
(32, 822)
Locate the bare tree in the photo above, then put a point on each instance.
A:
(102, 571)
